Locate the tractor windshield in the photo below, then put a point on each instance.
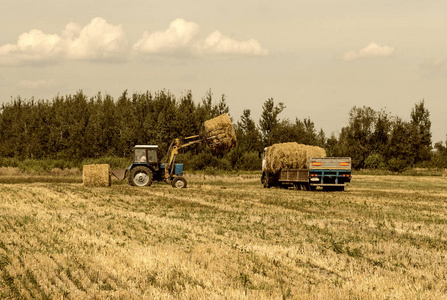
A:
(140, 155)
(152, 155)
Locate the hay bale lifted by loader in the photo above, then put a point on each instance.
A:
(219, 133)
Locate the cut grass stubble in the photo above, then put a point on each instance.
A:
(224, 237)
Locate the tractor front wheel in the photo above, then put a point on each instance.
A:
(179, 182)
(140, 176)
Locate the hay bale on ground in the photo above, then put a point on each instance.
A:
(96, 175)
(290, 156)
(220, 132)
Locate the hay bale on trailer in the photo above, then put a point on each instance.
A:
(220, 132)
(290, 156)
(96, 175)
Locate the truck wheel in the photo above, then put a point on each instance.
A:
(266, 181)
(179, 182)
(140, 176)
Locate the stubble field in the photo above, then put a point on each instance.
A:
(223, 238)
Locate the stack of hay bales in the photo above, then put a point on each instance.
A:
(96, 175)
(290, 156)
(220, 132)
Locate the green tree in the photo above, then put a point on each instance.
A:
(269, 121)
(187, 123)
(248, 133)
(421, 132)
(127, 123)
(400, 154)
(381, 133)
(222, 107)
(356, 138)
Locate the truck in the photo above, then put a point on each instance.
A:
(326, 173)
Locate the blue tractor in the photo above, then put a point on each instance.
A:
(146, 166)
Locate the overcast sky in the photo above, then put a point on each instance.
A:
(319, 57)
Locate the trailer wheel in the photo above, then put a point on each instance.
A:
(266, 180)
(179, 182)
(266, 183)
(140, 176)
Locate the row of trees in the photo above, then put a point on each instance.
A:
(373, 139)
(76, 127)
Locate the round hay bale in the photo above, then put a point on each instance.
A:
(96, 175)
(290, 156)
(220, 132)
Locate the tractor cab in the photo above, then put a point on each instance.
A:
(145, 154)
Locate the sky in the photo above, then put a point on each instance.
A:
(319, 57)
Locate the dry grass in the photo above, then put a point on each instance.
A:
(225, 237)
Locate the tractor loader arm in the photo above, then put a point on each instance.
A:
(212, 137)
(173, 150)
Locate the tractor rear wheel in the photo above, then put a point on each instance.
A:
(140, 176)
(179, 182)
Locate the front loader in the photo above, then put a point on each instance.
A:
(146, 166)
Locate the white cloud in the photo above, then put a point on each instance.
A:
(97, 40)
(177, 38)
(217, 43)
(371, 51)
(435, 67)
(100, 40)
(183, 37)
(33, 46)
(37, 84)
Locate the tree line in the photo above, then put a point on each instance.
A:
(75, 127)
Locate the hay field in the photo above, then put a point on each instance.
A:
(224, 238)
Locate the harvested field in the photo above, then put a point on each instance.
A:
(224, 237)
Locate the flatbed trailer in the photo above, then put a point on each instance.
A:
(328, 173)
